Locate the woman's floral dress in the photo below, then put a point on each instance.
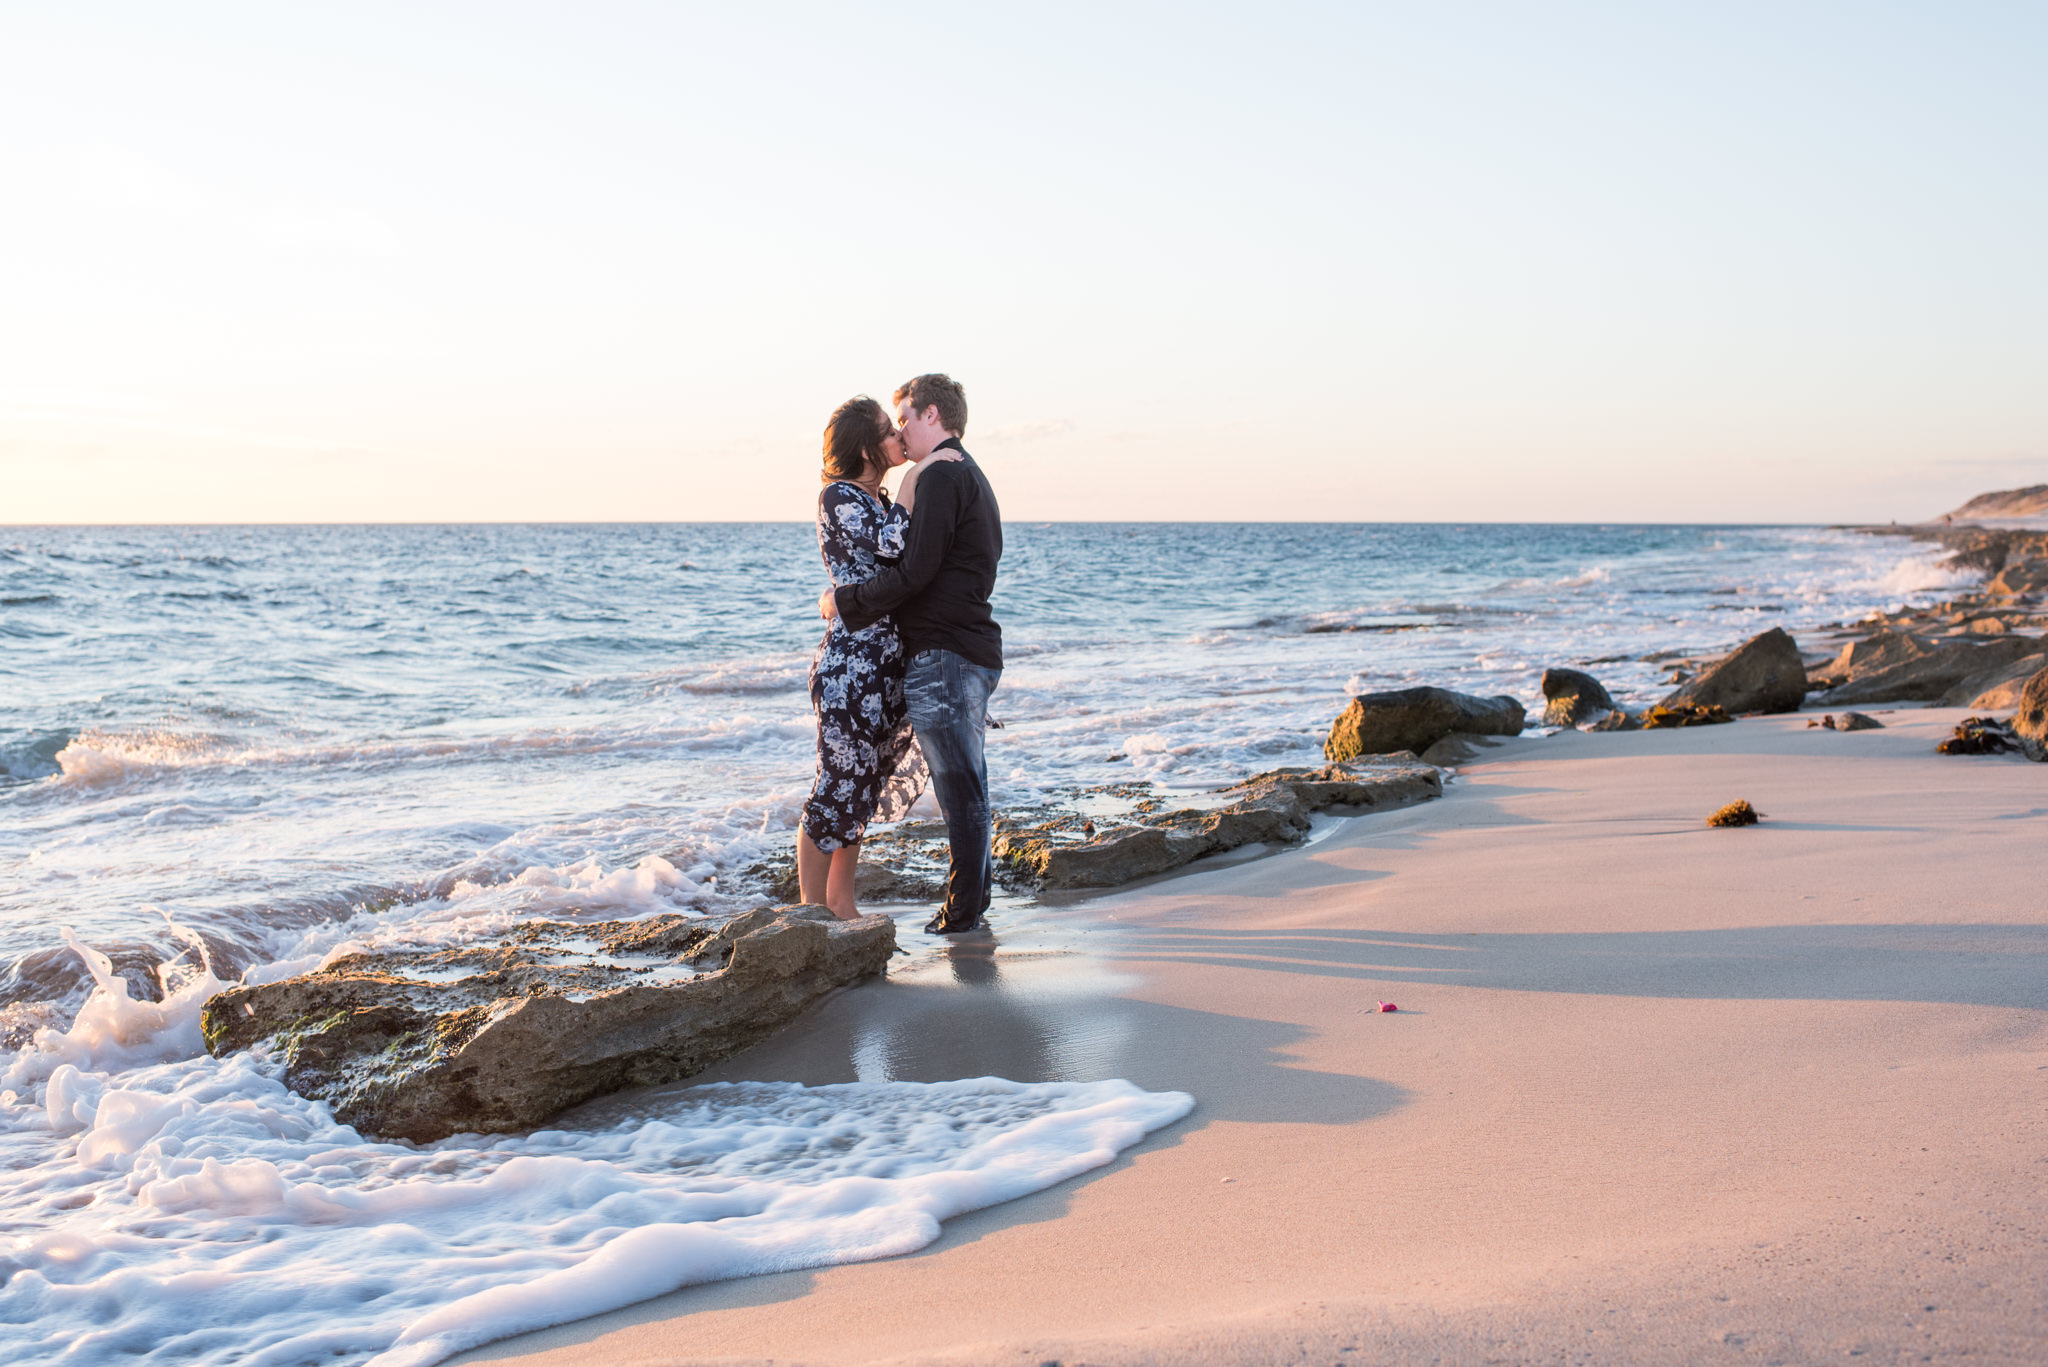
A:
(869, 766)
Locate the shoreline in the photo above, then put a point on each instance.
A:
(1660, 1124)
(1100, 983)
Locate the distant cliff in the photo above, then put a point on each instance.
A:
(2031, 501)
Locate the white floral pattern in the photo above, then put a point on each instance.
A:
(869, 766)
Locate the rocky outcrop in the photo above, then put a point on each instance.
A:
(1766, 674)
(2031, 501)
(2030, 720)
(1413, 719)
(1272, 808)
(1878, 651)
(2023, 581)
(1997, 689)
(1909, 671)
(500, 1036)
(1571, 698)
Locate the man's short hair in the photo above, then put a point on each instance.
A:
(942, 392)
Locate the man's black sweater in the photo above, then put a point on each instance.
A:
(939, 589)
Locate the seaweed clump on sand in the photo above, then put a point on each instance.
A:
(1736, 813)
(1980, 736)
(1685, 714)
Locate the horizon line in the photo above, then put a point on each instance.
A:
(1019, 521)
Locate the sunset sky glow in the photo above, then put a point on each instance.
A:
(1659, 262)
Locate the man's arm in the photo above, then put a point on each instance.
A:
(924, 550)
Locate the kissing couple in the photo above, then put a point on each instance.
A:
(901, 682)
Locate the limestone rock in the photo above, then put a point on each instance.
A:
(1766, 674)
(1879, 650)
(1572, 697)
(1996, 689)
(499, 1036)
(1932, 674)
(2021, 580)
(1272, 808)
(2030, 721)
(1416, 718)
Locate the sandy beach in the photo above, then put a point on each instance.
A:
(1655, 1092)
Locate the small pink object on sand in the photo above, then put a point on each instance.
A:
(1387, 1006)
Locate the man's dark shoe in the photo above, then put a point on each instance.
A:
(938, 926)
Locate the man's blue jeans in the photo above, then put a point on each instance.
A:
(948, 697)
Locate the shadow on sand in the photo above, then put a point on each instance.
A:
(1981, 965)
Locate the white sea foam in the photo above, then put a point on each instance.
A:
(96, 758)
(194, 1210)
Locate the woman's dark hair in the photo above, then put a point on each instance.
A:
(853, 438)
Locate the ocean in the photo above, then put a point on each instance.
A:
(228, 750)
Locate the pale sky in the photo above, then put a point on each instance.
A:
(609, 261)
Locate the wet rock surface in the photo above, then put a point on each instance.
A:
(1572, 697)
(1766, 674)
(1075, 851)
(1413, 719)
(499, 1036)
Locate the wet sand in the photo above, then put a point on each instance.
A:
(1655, 1092)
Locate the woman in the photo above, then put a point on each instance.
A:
(869, 768)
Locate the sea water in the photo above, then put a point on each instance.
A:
(231, 752)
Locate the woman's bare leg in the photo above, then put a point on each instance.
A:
(813, 870)
(839, 882)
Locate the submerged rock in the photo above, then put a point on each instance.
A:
(496, 1037)
(1413, 719)
(1272, 808)
(1767, 674)
(1572, 697)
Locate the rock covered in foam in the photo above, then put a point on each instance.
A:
(1272, 808)
(1413, 719)
(498, 1037)
(1766, 674)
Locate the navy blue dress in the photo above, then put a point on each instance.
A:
(869, 767)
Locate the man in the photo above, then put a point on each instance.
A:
(939, 592)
